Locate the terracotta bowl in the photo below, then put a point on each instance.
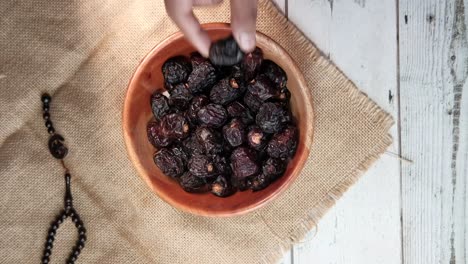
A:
(137, 112)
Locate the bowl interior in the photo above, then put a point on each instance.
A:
(137, 112)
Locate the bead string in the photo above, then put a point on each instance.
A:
(60, 151)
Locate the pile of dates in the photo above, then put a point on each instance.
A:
(226, 126)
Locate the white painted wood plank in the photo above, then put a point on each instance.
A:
(434, 130)
(360, 37)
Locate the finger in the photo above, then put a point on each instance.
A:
(181, 13)
(243, 22)
(206, 2)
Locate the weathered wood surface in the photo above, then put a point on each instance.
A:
(411, 57)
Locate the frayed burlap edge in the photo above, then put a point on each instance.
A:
(361, 101)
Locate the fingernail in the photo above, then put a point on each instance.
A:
(247, 41)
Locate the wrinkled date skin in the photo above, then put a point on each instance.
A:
(226, 52)
(222, 187)
(213, 115)
(234, 132)
(244, 162)
(159, 105)
(284, 144)
(258, 182)
(252, 101)
(193, 184)
(275, 73)
(175, 126)
(225, 91)
(237, 109)
(256, 138)
(210, 140)
(222, 165)
(263, 88)
(226, 125)
(203, 75)
(170, 164)
(176, 70)
(272, 117)
(195, 106)
(156, 135)
(251, 64)
(202, 166)
(273, 168)
(180, 96)
(192, 146)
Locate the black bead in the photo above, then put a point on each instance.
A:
(48, 124)
(81, 232)
(47, 253)
(70, 262)
(75, 220)
(45, 108)
(80, 245)
(51, 130)
(51, 232)
(76, 252)
(49, 246)
(72, 258)
(71, 213)
(54, 226)
(46, 116)
(45, 260)
(79, 225)
(50, 239)
(82, 238)
(46, 98)
(63, 214)
(82, 229)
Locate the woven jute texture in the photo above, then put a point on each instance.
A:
(83, 53)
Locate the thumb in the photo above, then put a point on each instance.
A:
(243, 22)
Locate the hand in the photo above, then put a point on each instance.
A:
(243, 19)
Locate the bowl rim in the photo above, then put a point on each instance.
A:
(133, 157)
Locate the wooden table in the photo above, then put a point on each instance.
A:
(411, 57)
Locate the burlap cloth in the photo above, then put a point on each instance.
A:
(83, 53)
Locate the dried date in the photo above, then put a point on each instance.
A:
(210, 140)
(202, 166)
(225, 91)
(213, 115)
(284, 144)
(156, 136)
(252, 101)
(275, 73)
(180, 96)
(175, 126)
(193, 184)
(258, 182)
(256, 138)
(226, 52)
(192, 146)
(236, 109)
(222, 187)
(159, 105)
(263, 88)
(273, 168)
(176, 70)
(234, 132)
(170, 164)
(251, 64)
(222, 165)
(272, 117)
(243, 162)
(197, 103)
(203, 76)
